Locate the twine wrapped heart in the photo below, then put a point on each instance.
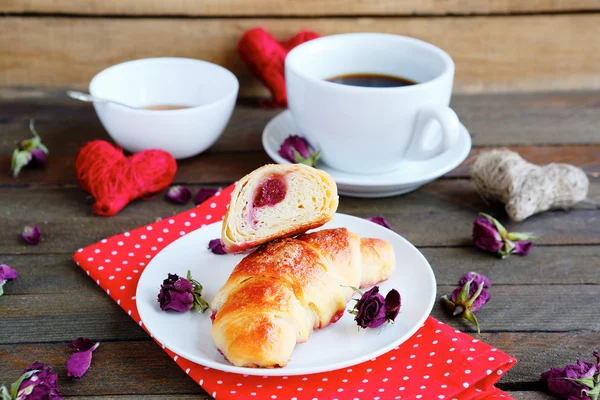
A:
(264, 56)
(114, 179)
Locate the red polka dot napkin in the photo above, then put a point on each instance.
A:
(438, 362)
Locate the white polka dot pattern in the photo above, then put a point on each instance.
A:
(423, 364)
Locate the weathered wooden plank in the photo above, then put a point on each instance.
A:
(131, 367)
(57, 273)
(439, 214)
(140, 368)
(500, 53)
(291, 8)
(513, 309)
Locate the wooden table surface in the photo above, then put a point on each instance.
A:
(543, 307)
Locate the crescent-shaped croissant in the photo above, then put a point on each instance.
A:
(276, 296)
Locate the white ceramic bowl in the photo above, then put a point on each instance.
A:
(209, 90)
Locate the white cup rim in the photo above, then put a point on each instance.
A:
(448, 63)
(233, 91)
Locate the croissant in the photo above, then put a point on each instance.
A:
(277, 201)
(276, 296)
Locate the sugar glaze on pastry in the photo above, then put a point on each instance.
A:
(264, 208)
(276, 296)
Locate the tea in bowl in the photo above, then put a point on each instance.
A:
(182, 105)
(367, 101)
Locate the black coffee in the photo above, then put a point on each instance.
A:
(372, 80)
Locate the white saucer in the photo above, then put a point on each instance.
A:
(409, 176)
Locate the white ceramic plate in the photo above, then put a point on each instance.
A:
(409, 176)
(340, 345)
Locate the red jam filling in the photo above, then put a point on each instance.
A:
(270, 192)
(213, 315)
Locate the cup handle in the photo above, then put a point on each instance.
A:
(447, 118)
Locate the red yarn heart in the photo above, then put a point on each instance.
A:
(264, 56)
(114, 180)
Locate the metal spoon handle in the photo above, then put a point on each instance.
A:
(90, 99)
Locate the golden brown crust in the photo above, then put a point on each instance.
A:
(277, 295)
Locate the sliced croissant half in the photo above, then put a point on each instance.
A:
(277, 201)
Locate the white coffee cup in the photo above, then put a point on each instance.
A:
(371, 129)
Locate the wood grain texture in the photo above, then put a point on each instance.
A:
(291, 8)
(94, 314)
(499, 53)
(439, 214)
(141, 367)
(57, 273)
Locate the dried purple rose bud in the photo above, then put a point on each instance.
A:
(380, 221)
(468, 297)
(32, 234)
(29, 152)
(296, 149)
(372, 310)
(38, 382)
(176, 294)
(216, 246)
(80, 361)
(575, 381)
(179, 194)
(6, 274)
(490, 235)
(180, 294)
(204, 194)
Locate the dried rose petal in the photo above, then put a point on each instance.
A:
(379, 220)
(7, 273)
(522, 248)
(392, 305)
(84, 344)
(38, 158)
(486, 236)
(41, 383)
(476, 278)
(176, 294)
(80, 362)
(179, 194)
(32, 234)
(296, 149)
(204, 194)
(216, 246)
